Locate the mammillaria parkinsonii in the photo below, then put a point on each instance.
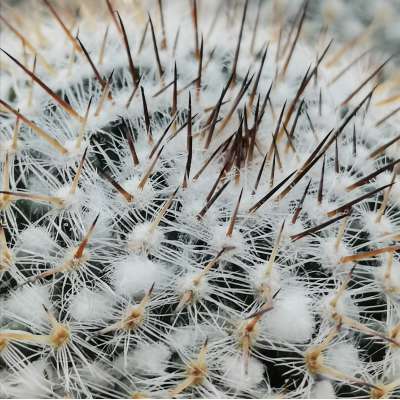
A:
(196, 202)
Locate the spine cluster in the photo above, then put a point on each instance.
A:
(196, 202)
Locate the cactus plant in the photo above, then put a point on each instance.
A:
(198, 199)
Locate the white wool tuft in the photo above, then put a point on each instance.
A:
(27, 304)
(376, 225)
(142, 198)
(36, 240)
(185, 283)
(69, 200)
(236, 376)
(260, 277)
(389, 280)
(30, 382)
(291, 318)
(344, 306)
(332, 252)
(135, 274)
(144, 237)
(151, 358)
(220, 240)
(91, 305)
(323, 390)
(185, 337)
(344, 357)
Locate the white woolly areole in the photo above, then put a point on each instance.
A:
(36, 240)
(220, 240)
(142, 197)
(235, 375)
(69, 199)
(7, 147)
(145, 237)
(190, 282)
(30, 382)
(75, 151)
(376, 225)
(291, 309)
(338, 184)
(260, 277)
(90, 305)
(344, 306)
(185, 337)
(344, 357)
(323, 390)
(193, 203)
(287, 244)
(389, 280)
(393, 366)
(151, 358)
(27, 303)
(331, 253)
(135, 275)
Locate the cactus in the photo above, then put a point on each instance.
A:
(198, 199)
